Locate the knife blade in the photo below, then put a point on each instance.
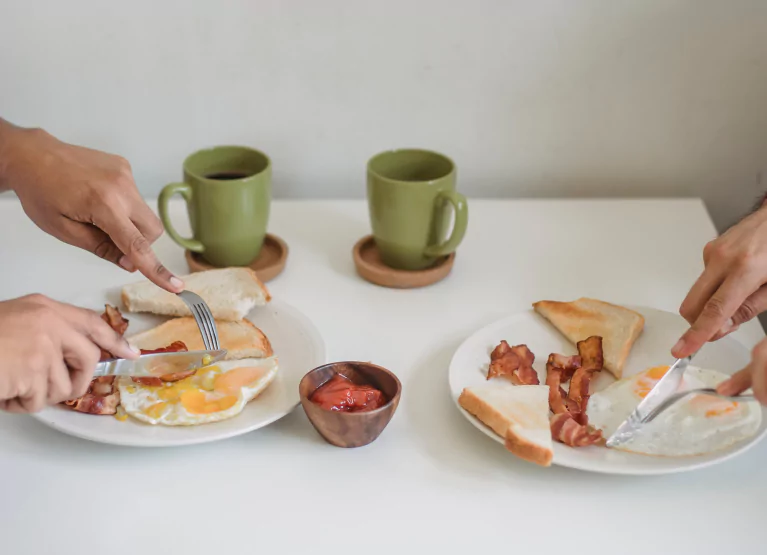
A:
(666, 386)
(158, 364)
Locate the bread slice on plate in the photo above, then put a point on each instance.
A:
(231, 293)
(618, 327)
(241, 339)
(517, 413)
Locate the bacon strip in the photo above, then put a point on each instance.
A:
(525, 374)
(566, 430)
(102, 397)
(117, 322)
(558, 369)
(514, 363)
(590, 351)
(175, 347)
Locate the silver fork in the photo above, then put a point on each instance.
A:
(204, 319)
(677, 396)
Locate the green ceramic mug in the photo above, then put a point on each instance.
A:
(410, 193)
(227, 190)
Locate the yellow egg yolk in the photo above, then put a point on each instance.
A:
(196, 402)
(156, 410)
(648, 379)
(231, 382)
(172, 391)
(711, 406)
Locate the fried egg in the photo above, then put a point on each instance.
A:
(213, 394)
(695, 425)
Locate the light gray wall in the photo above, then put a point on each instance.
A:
(535, 98)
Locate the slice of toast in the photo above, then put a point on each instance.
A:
(231, 293)
(241, 339)
(618, 327)
(519, 414)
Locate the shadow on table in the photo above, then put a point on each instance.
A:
(456, 446)
(337, 238)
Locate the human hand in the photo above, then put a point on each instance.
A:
(49, 351)
(731, 290)
(754, 376)
(83, 197)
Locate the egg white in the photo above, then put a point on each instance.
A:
(696, 425)
(136, 399)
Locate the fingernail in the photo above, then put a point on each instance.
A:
(176, 283)
(678, 347)
(136, 350)
(126, 264)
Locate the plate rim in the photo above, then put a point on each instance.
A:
(624, 471)
(307, 326)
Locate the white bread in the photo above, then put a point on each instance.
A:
(241, 339)
(231, 293)
(517, 413)
(619, 327)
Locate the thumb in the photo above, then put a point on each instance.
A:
(91, 238)
(737, 383)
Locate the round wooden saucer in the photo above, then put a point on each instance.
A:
(369, 266)
(269, 264)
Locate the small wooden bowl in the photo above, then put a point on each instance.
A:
(350, 429)
(269, 264)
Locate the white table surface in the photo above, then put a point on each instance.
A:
(431, 481)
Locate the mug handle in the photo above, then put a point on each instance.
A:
(185, 190)
(459, 227)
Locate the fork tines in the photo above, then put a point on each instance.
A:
(204, 319)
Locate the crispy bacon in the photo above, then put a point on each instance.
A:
(102, 397)
(117, 322)
(514, 363)
(558, 369)
(590, 351)
(566, 430)
(525, 374)
(175, 347)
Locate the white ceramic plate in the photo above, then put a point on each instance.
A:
(469, 367)
(296, 343)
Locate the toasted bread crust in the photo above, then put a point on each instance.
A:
(499, 423)
(528, 451)
(487, 414)
(620, 327)
(185, 329)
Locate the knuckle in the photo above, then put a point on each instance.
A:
(714, 250)
(714, 308)
(139, 245)
(105, 249)
(744, 261)
(747, 311)
(154, 229)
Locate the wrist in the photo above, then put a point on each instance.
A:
(12, 141)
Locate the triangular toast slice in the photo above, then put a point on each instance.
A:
(517, 413)
(618, 327)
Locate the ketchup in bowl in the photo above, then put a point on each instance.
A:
(339, 393)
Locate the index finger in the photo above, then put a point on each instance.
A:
(715, 314)
(705, 286)
(138, 249)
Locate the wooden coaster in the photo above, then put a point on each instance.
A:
(269, 264)
(369, 266)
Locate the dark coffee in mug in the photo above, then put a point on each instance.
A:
(227, 176)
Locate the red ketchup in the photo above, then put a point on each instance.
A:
(339, 393)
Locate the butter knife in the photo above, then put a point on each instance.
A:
(668, 385)
(159, 364)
